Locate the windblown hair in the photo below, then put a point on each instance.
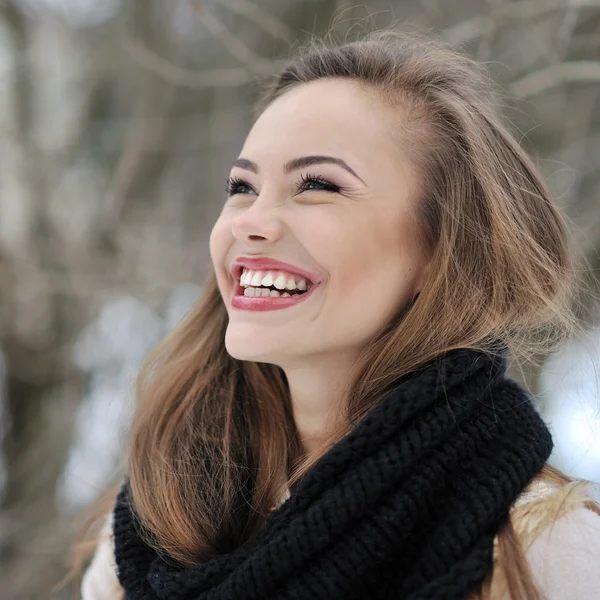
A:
(213, 443)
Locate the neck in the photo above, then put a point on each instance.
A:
(317, 398)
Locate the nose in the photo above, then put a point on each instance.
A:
(258, 223)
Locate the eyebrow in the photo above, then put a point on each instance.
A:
(299, 163)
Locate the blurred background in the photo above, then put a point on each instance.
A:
(119, 120)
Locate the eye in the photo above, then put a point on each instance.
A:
(235, 185)
(307, 182)
(316, 182)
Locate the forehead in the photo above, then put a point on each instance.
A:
(333, 116)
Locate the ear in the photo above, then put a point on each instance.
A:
(422, 276)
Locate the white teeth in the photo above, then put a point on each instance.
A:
(285, 294)
(267, 280)
(278, 279)
(256, 279)
(280, 282)
(253, 292)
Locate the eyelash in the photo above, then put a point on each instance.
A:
(233, 183)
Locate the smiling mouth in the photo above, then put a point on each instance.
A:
(271, 284)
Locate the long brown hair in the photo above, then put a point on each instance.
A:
(213, 443)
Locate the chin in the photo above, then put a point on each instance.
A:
(249, 348)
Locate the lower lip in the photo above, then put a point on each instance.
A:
(262, 303)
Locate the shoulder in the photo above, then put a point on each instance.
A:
(544, 506)
(565, 557)
(100, 580)
(558, 527)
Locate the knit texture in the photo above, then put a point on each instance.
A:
(405, 506)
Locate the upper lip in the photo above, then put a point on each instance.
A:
(263, 263)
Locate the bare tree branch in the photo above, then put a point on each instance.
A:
(180, 76)
(565, 31)
(583, 71)
(234, 46)
(472, 29)
(260, 17)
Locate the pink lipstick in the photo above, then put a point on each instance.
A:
(264, 303)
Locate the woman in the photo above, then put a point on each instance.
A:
(334, 419)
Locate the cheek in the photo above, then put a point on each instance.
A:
(371, 268)
(219, 244)
(219, 241)
(364, 302)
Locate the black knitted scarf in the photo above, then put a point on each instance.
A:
(405, 506)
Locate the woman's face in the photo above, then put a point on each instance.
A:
(321, 186)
